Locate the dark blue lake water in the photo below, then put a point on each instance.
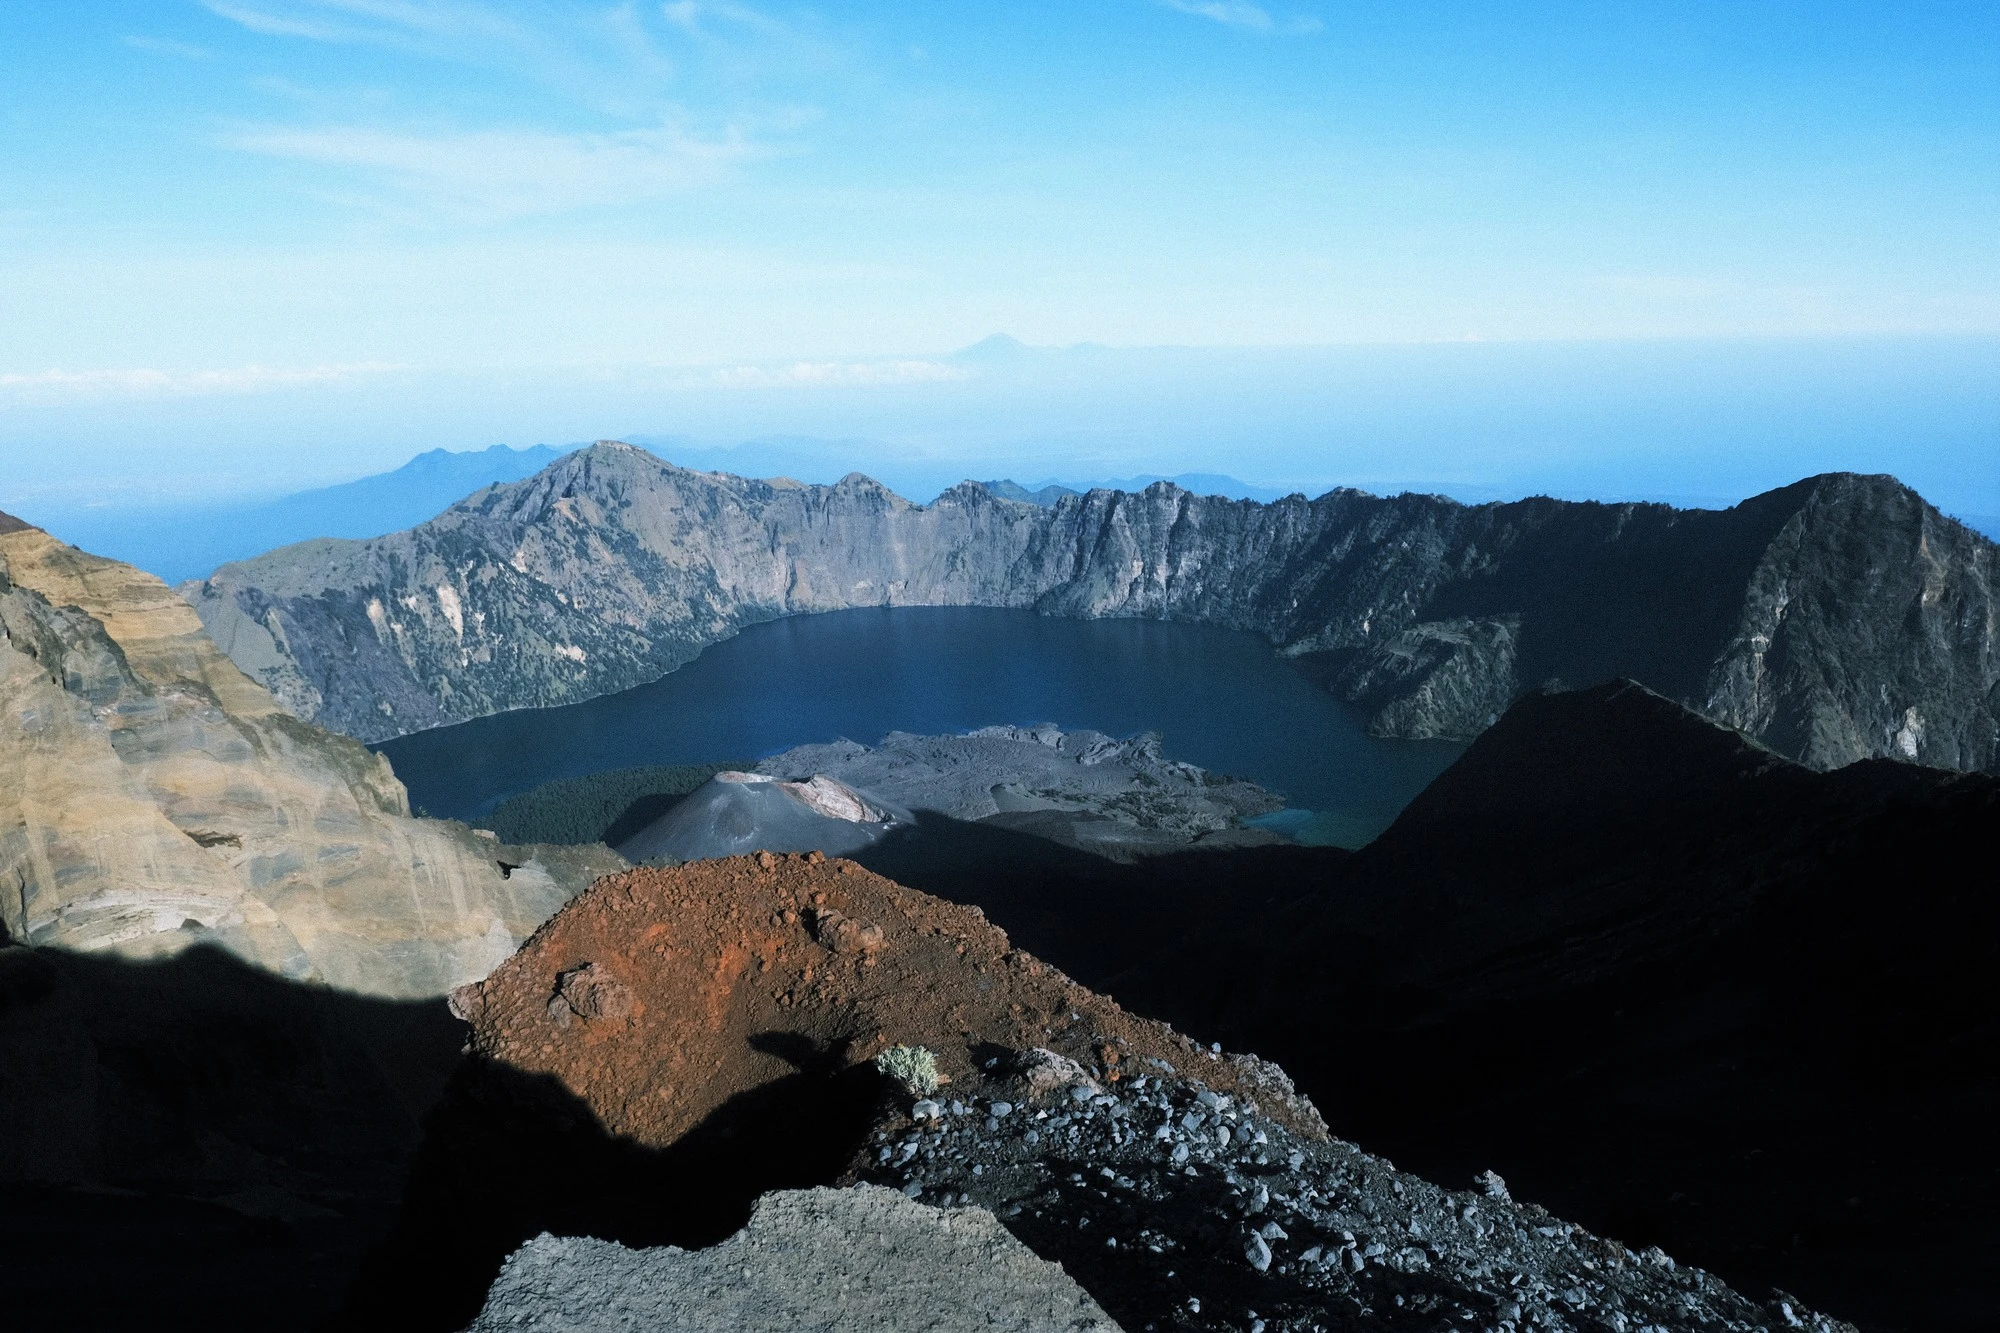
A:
(1219, 699)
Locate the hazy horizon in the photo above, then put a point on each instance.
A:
(250, 246)
(1704, 422)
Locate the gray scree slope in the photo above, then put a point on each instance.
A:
(856, 1259)
(1118, 798)
(1836, 618)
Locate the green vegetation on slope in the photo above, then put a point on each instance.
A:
(604, 807)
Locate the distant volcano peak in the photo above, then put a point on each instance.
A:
(997, 347)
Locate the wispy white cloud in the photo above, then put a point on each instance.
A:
(141, 383)
(660, 128)
(828, 375)
(695, 15)
(166, 46)
(1241, 14)
(600, 57)
(494, 175)
(285, 25)
(371, 20)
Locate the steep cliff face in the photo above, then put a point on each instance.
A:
(1834, 619)
(607, 569)
(153, 797)
(1867, 627)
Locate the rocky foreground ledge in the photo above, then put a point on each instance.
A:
(723, 1022)
(1182, 1208)
(865, 1258)
(1176, 1207)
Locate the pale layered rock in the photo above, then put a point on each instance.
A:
(152, 797)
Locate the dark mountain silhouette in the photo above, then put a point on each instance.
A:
(1667, 983)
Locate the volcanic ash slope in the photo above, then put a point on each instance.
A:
(1119, 799)
(736, 813)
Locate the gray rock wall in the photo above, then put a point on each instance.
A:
(1836, 618)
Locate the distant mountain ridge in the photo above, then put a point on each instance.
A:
(188, 542)
(1833, 619)
(1047, 493)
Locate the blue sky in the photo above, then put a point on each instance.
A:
(259, 241)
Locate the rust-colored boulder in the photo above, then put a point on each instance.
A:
(659, 995)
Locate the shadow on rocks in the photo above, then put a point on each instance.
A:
(195, 1143)
(508, 1155)
(1086, 914)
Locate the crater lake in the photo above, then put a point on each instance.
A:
(1218, 698)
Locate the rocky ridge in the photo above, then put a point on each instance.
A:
(671, 979)
(1833, 619)
(720, 1010)
(152, 797)
(1181, 1208)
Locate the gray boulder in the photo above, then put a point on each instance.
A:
(819, 1259)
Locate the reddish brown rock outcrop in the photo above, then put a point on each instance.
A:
(659, 995)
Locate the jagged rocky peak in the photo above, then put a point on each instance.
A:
(1834, 619)
(153, 797)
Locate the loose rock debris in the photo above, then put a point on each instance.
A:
(1180, 1208)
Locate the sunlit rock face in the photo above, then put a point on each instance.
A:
(153, 797)
(1834, 619)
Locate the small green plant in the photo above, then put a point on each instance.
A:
(912, 1068)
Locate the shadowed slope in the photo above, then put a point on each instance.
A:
(195, 1143)
(1670, 984)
